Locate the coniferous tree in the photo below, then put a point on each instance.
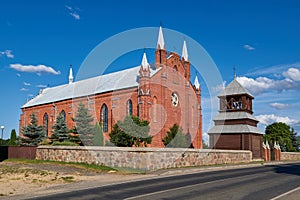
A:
(176, 138)
(32, 134)
(74, 136)
(98, 139)
(85, 129)
(13, 138)
(60, 130)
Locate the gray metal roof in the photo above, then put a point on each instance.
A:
(234, 88)
(234, 129)
(234, 115)
(109, 82)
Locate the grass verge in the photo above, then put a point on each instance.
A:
(91, 167)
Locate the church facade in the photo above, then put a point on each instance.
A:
(161, 93)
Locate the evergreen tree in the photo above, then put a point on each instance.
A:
(74, 136)
(13, 138)
(176, 138)
(85, 129)
(98, 139)
(32, 134)
(60, 130)
(132, 131)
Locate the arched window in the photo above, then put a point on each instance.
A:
(129, 107)
(46, 124)
(104, 117)
(63, 113)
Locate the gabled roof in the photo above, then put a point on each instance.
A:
(234, 88)
(234, 129)
(109, 82)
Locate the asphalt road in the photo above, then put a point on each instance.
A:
(264, 182)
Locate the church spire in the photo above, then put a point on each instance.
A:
(185, 52)
(160, 41)
(196, 83)
(145, 63)
(71, 78)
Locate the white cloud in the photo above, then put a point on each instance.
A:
(279, 106)
(292, 73)
(24, 89)
(275, 70)
(75, 15)
(7, 53)
(41, 86)
(30, 95)
(269, 119)
(34, 69)
(248, 47)
(73, 12)
(264, 84)
(27, 84)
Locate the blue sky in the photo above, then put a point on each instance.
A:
(260, 38)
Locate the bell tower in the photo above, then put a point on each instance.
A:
(235, 126)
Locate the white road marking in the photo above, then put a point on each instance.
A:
(284, 194)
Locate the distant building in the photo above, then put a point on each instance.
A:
(235, 126)
(161, 93)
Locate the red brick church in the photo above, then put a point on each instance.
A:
(161, 93)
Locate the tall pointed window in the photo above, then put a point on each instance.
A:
(46, 124)
(129, 107)
(104, 117)
(63, 113)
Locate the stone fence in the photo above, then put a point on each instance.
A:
(293, 156)
(147, 159)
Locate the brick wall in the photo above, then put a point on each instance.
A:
(142, 158)
(290, 156)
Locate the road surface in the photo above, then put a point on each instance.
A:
(263, 182)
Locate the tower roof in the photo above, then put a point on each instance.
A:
(160, 41)
(235, 88)
(145, 63)
(185, 52)
(196, 83)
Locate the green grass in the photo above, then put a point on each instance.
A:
(91, 167)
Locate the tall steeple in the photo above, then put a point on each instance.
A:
(160, 41)
(197, 84)
(185, 52)
(71, 78)
(160, 53)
